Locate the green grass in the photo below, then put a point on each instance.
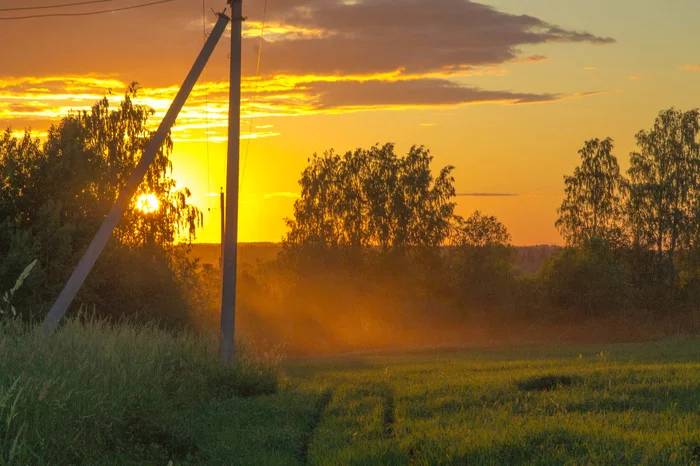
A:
(616, 404)
(99, 394)
(101, 397)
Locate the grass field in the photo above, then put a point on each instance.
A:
(103, 396)
(616, 404)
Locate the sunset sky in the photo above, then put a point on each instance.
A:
(507, 91)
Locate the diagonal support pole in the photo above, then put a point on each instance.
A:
(98, 243)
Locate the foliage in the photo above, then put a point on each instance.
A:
(592, 208)
(54, 196)
(481, 262)
(587, 282)
(372, 198)
(480, 231)
(664, 178)
(7, 297)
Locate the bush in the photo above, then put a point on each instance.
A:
(94, 389)
(587, 282)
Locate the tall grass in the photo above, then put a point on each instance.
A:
(94, 391)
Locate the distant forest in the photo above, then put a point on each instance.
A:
(374, 253)
(528, 259)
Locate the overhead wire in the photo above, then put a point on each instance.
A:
(255, 94)
(85, 13)
(61, 5)
(206, 110)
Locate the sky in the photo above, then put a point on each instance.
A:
(507, 91)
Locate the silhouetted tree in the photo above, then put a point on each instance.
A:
(480, 231)
(53, 198)
(664, 183)
(482, 262)
(89, 157)
(593, 206)
(372, 198)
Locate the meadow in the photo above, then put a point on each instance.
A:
(612, 404)
(127, 396)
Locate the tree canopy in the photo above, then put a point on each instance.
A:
(664, 176)
(53, 196)
(593, 207)
(373, 198)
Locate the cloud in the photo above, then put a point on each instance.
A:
(590, 68)
(409, 93)
(38, 102)
(487, 195)
(319, 56)
(283, 194)
(691, 67)
(414, 36)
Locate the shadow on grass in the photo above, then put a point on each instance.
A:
(548, 382)
(158, 442)
(556, 446)
(311, 367)
(645, 398)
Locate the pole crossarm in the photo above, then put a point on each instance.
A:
(102, 236)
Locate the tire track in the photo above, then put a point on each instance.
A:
(321, 405)
(388, 409)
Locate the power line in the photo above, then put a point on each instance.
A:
(206, 108)
(87, 13)
(255, 93)
(62, 5)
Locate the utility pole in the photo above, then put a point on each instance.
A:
(228, 285)
(222, 212)
(102, 236)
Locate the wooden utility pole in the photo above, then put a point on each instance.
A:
(228, 285)
(98, 243)
(222, 212)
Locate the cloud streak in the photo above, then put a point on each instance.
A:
(488, 195)
(414, 36)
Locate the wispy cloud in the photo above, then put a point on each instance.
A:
(487, 195)
(40, 101)
(691, 67)
(282, 194)
(589, 68)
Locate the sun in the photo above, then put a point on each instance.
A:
(147, 203)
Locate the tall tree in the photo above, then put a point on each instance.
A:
(54, 196)
(593, 207)
(89, 157)
(664, 174)
(373, 198)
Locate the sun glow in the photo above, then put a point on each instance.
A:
(147, 203)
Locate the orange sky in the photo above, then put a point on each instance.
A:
(505, 90)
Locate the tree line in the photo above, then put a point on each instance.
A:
(55, 194)
(647, 222)
(374, 242)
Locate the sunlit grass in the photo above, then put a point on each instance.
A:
(94, 393)
(624, 404)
